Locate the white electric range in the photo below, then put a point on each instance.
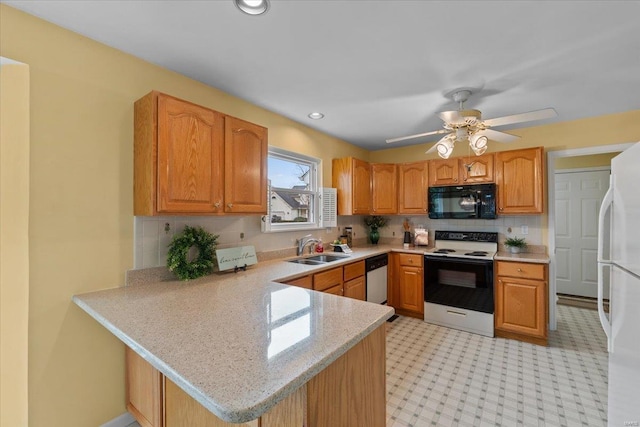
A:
(458, 281)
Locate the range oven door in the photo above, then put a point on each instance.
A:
(459, 282)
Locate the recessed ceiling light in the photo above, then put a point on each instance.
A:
(253, 7)
(315, 116)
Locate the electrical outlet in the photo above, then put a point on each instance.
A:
(241, 235)
(524, 229)
(394, 234)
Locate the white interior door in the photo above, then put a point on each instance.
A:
(578, 196)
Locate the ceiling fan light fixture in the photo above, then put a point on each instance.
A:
(444, 148)
(478, 144)
(253, 7)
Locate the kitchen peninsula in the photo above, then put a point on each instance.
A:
(240, 346)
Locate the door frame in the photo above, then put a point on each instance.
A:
(551, 214)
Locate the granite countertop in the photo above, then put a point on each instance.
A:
(537, 258)
(238, 343)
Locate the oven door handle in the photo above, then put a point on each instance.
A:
(457, 313)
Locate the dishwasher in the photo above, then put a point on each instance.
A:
(376, 269)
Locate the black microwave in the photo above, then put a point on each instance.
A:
(463, 202)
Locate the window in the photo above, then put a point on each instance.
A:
(294, 192)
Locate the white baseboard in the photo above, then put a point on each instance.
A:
(121, 421)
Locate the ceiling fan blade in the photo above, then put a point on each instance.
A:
(547, 113)
(418, 135)
(496, 136)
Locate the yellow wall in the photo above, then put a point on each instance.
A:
(81, 223)
(590, 161)
(14, 243)
(591, 132)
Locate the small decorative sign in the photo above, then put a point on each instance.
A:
(236, 258)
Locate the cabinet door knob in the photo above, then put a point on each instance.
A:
(410, 260)
(500, 208)
(519, 270)
(455, 179)
(217, 205)
(230, 205)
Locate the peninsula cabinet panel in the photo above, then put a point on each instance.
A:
(352, 178)
(413, 181)
(443, 172)
(520, 181)
(352, 390)
(384, 188)
(245, 189)
(178, 157)
(476, 169)
(143, 390)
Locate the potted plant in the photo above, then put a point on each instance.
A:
(374, 222)
(515, 244)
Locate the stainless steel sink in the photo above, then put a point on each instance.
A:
(326, 258)
(306, 261)
(317, 259)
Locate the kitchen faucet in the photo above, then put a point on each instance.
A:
(304, 241)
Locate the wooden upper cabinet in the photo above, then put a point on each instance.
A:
(444, 172)
(178, 157)
(476, 169)
(520, 181)
(413, 180)
(352, 178)
(245, 186)
(190, 159)
(384, 188)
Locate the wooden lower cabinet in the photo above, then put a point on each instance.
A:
(349, 392)
(406, 284)
(521, 295)
(355, 284)
(346, 281)
(328, 279)
(356, 288)
(301, 282)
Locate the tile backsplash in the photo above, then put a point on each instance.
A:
(154, 234)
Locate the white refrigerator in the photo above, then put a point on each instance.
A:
(621, 265)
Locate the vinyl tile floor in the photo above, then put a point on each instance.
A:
(443, 377)
(438, 376)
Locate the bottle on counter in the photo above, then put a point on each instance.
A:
(319, 246)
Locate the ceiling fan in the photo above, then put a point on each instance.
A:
(461, 124)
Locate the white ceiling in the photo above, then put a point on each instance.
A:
(380, 69)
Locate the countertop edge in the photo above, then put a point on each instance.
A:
(533, 258)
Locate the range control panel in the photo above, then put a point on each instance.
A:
(467, 236)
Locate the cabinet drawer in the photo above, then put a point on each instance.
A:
(327, 279)
(413, 260)
(302, 282)
(335, 290)
(353, 270)
(524, 270)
